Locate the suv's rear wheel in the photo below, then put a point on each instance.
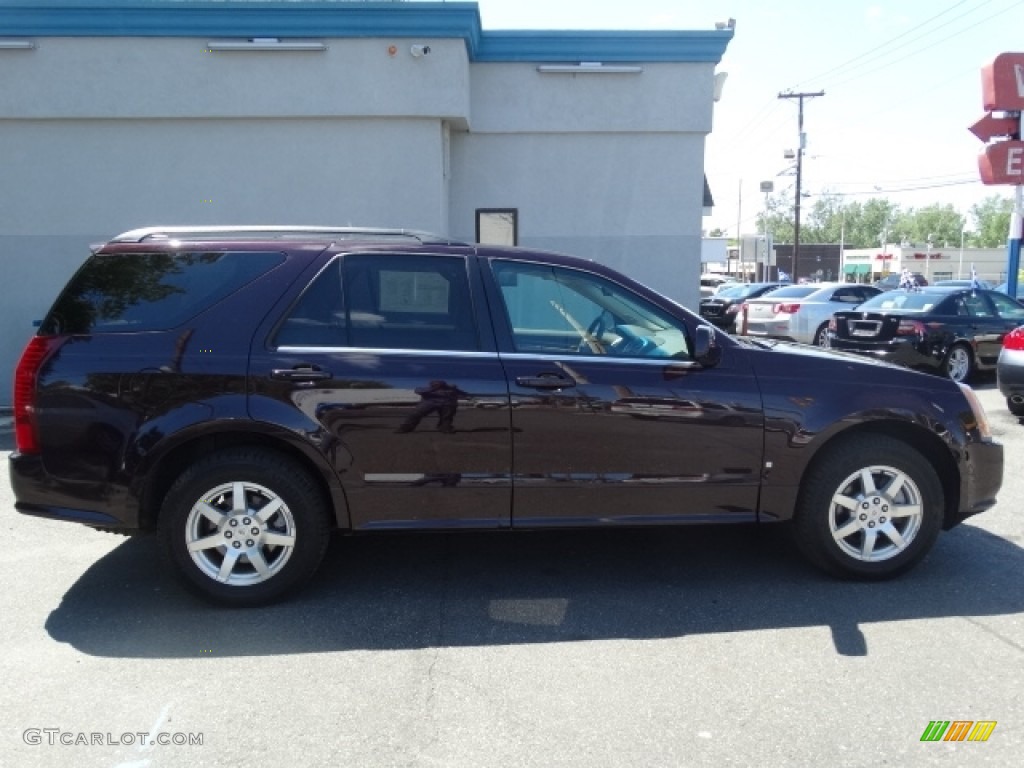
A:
(870, 509)
(244, 526)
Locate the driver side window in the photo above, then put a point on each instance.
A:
(557, 311)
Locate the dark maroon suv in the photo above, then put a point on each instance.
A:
(245, 391)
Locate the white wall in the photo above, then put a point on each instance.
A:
(604, 166)
(102, 135)
(115, 77)
(629, 201)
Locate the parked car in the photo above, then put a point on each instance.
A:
(950, 331)
(892, 281)
(979, 283)
(801, 313)
(722, 308)
(710, 284)
(1010, 371)
(257, 388)
(1004, 287)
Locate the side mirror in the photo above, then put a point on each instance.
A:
(705, 350)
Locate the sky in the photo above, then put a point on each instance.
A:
(902, 83)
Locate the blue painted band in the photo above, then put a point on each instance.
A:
(335, 19)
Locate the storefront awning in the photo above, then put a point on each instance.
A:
(857, 269)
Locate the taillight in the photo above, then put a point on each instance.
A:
(1014, 339)
(26, 430)
(789, 309)
(910, 328)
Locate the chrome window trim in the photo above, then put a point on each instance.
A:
(603, 359)
(321, 350)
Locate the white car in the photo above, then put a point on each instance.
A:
(801, 312)
(709, 284)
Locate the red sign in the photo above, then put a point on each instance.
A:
(990, 127)
(1002, 163)
(1002, 83)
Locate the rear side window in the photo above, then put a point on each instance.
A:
(131, 292)
(386, 301)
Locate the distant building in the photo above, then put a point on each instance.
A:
(866, 265)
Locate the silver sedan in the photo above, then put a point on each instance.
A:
(801, 312)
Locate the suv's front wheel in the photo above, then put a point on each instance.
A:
(871, 508)
(244, 526)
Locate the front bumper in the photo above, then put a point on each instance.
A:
(982, 477)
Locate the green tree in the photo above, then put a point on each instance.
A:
(991, 221)
(778, 218)
(941, 225)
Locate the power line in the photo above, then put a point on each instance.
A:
(887, 43)
(927, 47)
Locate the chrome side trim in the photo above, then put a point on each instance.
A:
(311, 350)
(660, 362)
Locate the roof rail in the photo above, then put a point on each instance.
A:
(280, 232)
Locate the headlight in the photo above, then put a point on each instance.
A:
(981, 420)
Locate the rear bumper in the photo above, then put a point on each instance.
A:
(39, 494)
(901, 352)
(1010, 372)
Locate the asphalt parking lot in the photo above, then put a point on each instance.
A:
(692, 647)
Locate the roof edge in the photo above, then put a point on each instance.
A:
(337, 19)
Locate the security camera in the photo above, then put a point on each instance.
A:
(419, 50)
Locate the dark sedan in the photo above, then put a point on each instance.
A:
(723, 308)
(944, 330)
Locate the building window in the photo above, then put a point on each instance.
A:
(497, 226)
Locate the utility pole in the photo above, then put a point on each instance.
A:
(799, 169)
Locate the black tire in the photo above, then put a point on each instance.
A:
(1017, 409)
(821, 336)
(959, 363)
(264, 565)
(820, 522)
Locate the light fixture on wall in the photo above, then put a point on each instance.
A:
(266, 44)
(16, 45)
(719, 84)
(590, 67)
(418, 51)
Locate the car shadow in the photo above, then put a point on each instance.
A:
(389, 592)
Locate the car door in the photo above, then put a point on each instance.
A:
(613, 421)
(386, 364)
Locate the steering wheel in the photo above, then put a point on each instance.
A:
(593, 334)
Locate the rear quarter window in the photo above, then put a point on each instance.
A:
(130, 292)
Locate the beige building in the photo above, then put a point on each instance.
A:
(866, 265)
